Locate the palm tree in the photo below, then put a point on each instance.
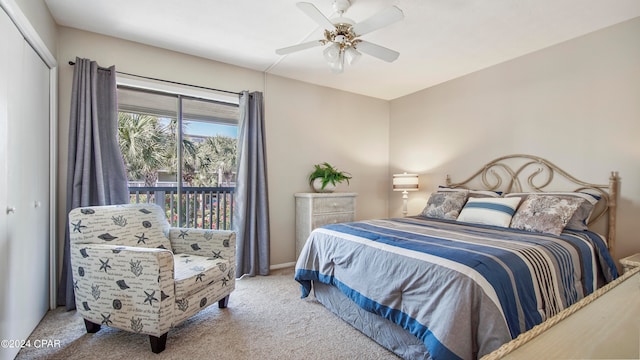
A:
(223, 154)
(197, 163)
(144, 146)
(148, 146)
(170, 154)
(189, 161)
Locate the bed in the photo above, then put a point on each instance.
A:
(489, 258)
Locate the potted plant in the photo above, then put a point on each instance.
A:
(325, 177)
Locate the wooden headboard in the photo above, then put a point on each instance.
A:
(528, 173)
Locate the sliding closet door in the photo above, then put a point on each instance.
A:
(11, 42)
(28, 153)
(24, 190)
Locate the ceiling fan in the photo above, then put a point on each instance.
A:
(342, 34)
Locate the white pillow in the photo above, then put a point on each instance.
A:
(489, 211)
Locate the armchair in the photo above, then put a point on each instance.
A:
(134, 272)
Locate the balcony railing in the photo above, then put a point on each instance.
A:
(199, 207)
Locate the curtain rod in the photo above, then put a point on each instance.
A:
(72, 63)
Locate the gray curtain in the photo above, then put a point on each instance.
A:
(252, 202)
(96, 174)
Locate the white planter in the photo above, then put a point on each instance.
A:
(317, 186)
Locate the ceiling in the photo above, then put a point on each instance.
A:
(438, 40)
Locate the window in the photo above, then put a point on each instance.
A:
(180, 153)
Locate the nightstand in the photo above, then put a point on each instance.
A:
(630, 262)
(316, 209)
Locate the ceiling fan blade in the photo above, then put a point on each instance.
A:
(377, 51)
(299, 47)
(383, 18)
(315, 14)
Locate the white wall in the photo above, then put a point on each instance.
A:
(305, 124)
(576, 104)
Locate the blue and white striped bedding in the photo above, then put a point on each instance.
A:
(462, 289)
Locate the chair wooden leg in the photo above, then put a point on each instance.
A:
(222, 303)
(91, 327)
(158, 343)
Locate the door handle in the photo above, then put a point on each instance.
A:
(11, 210)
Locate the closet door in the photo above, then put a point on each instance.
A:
(24, 215)
(11, 42)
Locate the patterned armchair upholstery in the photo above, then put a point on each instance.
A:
(134, 272)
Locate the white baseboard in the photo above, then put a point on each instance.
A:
(282, 266)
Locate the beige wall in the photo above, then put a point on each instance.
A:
(308, 124)
(305, 124)
(576, 104)
(40, 18)
(132, 58)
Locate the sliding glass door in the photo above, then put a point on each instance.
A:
(180, 153)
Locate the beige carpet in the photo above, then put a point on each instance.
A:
(265, 319)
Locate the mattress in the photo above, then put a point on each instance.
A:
(461, 290)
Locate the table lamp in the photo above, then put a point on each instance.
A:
(405, 183)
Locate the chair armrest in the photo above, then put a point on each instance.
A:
(209, 243)
(133, 287)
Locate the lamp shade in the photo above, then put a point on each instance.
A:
(405, 182)
(351, 55)
(332, 53)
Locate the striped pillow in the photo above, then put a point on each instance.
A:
(489, 211)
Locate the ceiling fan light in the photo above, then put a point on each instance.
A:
(351, 55)
(332, 53)
(342, 34)
(338, 65)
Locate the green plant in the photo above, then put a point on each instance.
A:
(328, 174)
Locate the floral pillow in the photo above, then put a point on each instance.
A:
(445, 205)
(545, 213)
(581, 217)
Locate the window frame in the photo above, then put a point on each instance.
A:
(181, 92)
